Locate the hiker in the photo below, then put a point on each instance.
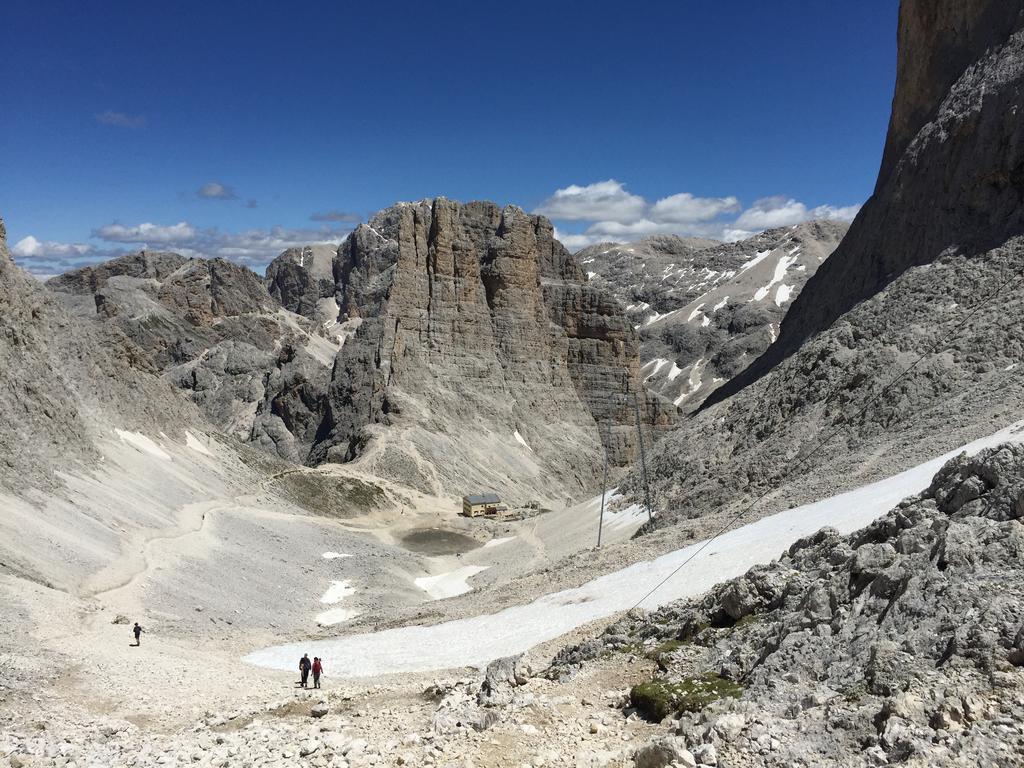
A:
(304, 666)
(137, 631)
(318, 669)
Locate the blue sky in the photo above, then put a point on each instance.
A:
(240, 128)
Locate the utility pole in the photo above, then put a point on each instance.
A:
(604, 486)
(643, 458)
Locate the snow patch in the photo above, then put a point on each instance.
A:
(449, 584)
(194, 443)
(781, 266)
(477, 640)
(143, 443)
(333, 555)
(334, 616)
(761, 255)
(698, 310)
(695, 380)
(783, 294)
(337, 592)
(498, 542)
(720, 304)
(633, 515)
(521, 441)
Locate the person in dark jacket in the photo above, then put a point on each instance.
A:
(137, 631)
(318, 669)
(304, 666)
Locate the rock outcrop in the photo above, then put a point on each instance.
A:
(704, 309)
(258, 372)
(64, 383)
(480, 356)
(952, 174)
(908, 340)
(900, 643)
(302, 280)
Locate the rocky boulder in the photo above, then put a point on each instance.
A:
(865, 649)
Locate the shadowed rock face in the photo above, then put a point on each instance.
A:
(475, 324)
(907, 341)
(953, 170)
(302, 278)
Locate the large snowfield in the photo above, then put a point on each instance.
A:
(477, 640)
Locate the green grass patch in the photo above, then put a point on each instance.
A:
(690, 633)
(658, 698)
(331, 495)
(665, 648)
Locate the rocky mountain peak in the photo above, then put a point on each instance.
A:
(477, 335)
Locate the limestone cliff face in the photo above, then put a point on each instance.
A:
(953, 171)
(937, 41)
(907, 341)
(481, 358)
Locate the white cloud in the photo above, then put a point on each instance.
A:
(841, 213)
(685, 208)
(602, 200)
(146, 233)
(214, 190)
(31, 248)
(730, 235)
(120, 119)
(575, 242)
(770, 212)
(609, 212)
(253, 247)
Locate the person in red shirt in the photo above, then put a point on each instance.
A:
(318, 669)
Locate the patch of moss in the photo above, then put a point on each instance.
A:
(690, 633)
(746, 621)
(637, 649)
(855, 692)
(259, 461)
(331, 495)
(658, 698)
(667, 647)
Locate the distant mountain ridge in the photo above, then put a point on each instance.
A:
(706, 309)
(443, 346)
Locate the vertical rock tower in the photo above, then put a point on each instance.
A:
(480, 358)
